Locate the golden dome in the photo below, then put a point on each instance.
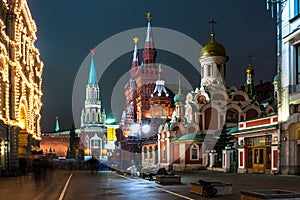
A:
(213, 48)
(250, 70)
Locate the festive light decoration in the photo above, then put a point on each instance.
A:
(21, 72)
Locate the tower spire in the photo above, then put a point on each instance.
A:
(179, 85)
(149, 35)
(159, 72)
(135, 57)
(57, 125)
(92, 76)
(149, 52)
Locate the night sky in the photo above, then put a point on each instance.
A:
(68, 29)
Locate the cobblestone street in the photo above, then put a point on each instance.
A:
(50, 185)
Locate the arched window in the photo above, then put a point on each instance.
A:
(211, 119)
(201, 100)
(164, 153)
(208, 70)
(232, 116)
(145, 152)
(87, 141)
(156, 154)
(251, 113)
(178, 131)
(238, 98)
(150, 152)
(194, 152)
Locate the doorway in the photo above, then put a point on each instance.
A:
(259, 160)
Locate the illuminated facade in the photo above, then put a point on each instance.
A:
(56, 144)
(146, 102)
(20, 85)
(142, 80)
(200, 132)
(289, 86)
(199, 129)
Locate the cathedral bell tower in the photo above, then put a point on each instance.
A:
(249, 86)
(179, 100)
(213, 62)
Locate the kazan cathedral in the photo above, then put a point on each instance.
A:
(213, 127)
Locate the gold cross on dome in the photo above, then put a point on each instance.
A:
(212, 22)
(249, 59)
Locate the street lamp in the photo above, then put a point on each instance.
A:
(135, 129)
(138, 130)
(146, 128)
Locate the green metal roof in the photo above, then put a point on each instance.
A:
(191, 137)
(231, 130)
(253, 129)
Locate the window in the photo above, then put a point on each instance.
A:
(145, 152)
(298, 64)
(150, 152)
(96, 144)
(296, 7)
(194, 152)
(164, 153)
(232, 116)
(208, 70)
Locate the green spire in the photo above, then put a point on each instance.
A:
(56, 125)
(92, 75)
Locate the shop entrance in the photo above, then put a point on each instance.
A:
(261, 159)
(258, 160)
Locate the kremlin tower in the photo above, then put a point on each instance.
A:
(93, 130)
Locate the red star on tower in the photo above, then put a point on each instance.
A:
(92, 51)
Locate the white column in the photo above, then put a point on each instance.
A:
(274, 150)
(241, 160)
(158, 149)
(168, 149)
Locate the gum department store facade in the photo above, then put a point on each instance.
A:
(20, 85)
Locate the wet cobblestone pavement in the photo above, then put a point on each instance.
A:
(50, 185)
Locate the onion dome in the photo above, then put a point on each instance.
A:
(213, 48)
(275, 79)
(179, 98)
(250, 70)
